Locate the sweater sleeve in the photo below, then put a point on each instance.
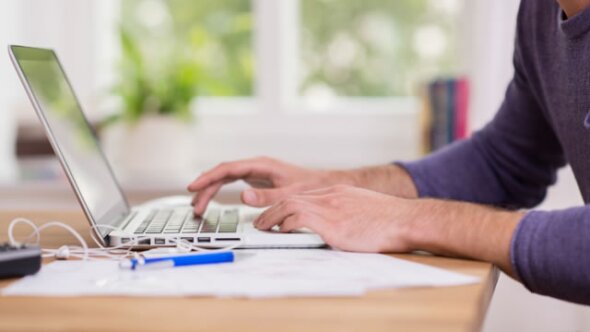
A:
(509, 163)
(549, 251)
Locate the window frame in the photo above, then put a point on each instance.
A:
(275, 45)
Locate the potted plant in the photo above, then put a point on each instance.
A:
(151, 134)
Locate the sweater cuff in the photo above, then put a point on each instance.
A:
(549, 253)
(413, 169)
(517, 243)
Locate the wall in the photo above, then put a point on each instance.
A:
(8, 168)
(489, 30)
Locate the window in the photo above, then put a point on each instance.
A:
(318, 49)
(375, 48)
(210, 41)
(319, 82)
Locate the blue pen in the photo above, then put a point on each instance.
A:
(179, 260)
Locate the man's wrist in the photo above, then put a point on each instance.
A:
(337, 177)
(464, 230)
(401, 182)
(420, 230)
(388, 179)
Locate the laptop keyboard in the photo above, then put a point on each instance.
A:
(168, 221)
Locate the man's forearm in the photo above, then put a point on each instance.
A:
(464, 230)
(446, 227)
(388, 179)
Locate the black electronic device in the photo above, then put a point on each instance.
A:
(19, 260)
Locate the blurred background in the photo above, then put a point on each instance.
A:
(174, 87)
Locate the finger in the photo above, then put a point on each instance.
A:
(258, 182)
(203, 197)
(289, 218)
(310, 220)
(291, 223)
(266, 197)
(232, 171)
(196, 198)
(276, 214)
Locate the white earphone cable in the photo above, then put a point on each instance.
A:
(83, 252)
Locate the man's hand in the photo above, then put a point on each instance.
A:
(275, 180)
(347, 218)
(356, 219)
(272, 179)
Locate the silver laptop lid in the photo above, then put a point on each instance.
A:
(70, 135)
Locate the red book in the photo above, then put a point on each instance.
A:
(461, 108)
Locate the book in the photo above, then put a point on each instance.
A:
(445, 112)
(461, 108)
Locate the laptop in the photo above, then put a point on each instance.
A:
(112, 219)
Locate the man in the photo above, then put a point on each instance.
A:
(469, 192)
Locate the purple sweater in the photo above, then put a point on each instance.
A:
(543, 123)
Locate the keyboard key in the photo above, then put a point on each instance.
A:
(164, 213)
(228, 228)
(145, 223)
(230, 217)
(150, 216)
(210, 222)
(191, 225)
(178, 218)
(141, 229)
(193, 222)
(176, 221)
(208, 228)
(213, 215)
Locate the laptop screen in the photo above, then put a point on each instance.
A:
(72, 138)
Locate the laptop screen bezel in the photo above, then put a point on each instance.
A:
(117, 214)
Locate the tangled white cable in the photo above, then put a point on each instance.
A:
(84, 252)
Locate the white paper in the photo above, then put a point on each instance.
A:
(254, 274)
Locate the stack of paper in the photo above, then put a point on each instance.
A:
(255, 274)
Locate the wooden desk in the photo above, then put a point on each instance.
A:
(421, 309)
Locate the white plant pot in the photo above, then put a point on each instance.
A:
(156, 149)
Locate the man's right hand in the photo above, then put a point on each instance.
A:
(272, 180)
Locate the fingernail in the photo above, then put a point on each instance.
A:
(250, 197)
